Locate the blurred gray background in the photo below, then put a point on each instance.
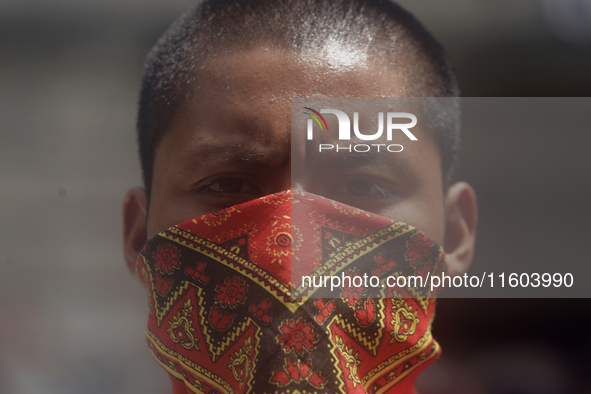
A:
(71, 316)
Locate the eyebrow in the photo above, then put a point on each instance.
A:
(372, 162)
(254, 155)
(355, 159)
(208, 155)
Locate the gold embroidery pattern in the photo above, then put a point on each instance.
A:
(240, 364)
(371, 345)
(351, 359)
(404, 320)
(247, 268)
(181, 327)
(279, 241)
(172, 361)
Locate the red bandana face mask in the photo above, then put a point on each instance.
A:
(221, 315)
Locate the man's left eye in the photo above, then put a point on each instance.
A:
(228, 186)
(359, 188)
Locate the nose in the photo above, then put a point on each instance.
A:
(281, 178)
(297, 186)
(301, 183)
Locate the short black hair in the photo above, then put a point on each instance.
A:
(381, 28)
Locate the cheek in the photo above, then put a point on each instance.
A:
(427, 216)
(432, 222)
(162, 214)
(430, 210)
(167, 207)
(427, 205)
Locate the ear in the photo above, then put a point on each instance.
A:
(135, 210)
(461, 217)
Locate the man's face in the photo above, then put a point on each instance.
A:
(230, 143)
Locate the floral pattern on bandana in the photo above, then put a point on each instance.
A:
(352, 292)
(418, 248)
(297, 336)
(231, 292)
(297, 372)
(166, 258)
(222, 318)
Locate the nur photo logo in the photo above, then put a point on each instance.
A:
(344, 130)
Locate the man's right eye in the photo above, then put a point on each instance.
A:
(228, 186)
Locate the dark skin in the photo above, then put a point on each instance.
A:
(230, 143)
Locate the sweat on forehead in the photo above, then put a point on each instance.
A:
(343, 33)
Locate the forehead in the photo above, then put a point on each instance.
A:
(249, 92)
(277, 74)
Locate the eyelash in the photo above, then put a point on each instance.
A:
(207, 188)
(376, 190)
